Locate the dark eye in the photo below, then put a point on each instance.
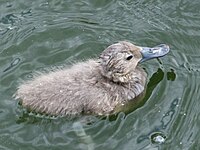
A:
(129, 57)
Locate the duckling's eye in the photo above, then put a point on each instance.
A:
(129, 57)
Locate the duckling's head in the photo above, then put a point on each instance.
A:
(119, 61)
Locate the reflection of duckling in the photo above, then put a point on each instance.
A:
(96, 86)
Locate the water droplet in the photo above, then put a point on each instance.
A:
(158, 138)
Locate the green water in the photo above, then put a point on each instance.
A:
(43, 33)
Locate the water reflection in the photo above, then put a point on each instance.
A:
(86, 140)
(14, 63)
(169, 115)
(41, 34)
(164, 123)
(9, 19)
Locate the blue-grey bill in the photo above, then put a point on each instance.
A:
(154, 52)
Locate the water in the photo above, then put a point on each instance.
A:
(44, 33)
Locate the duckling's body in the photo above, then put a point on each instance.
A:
(96, 86)
(79, 89)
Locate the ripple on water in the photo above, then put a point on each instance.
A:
(38, 34)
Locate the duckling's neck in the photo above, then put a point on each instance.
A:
(122, 78)
(137, 74)
(128, 86)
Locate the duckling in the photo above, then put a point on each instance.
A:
(96, 86)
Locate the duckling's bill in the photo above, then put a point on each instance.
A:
(154, 52)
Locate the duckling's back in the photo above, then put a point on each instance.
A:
(64, 92)
(78, 89)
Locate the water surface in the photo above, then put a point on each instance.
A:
(44, 33)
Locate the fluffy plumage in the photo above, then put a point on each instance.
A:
(96, 86)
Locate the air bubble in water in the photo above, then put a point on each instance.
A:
(158, 138)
